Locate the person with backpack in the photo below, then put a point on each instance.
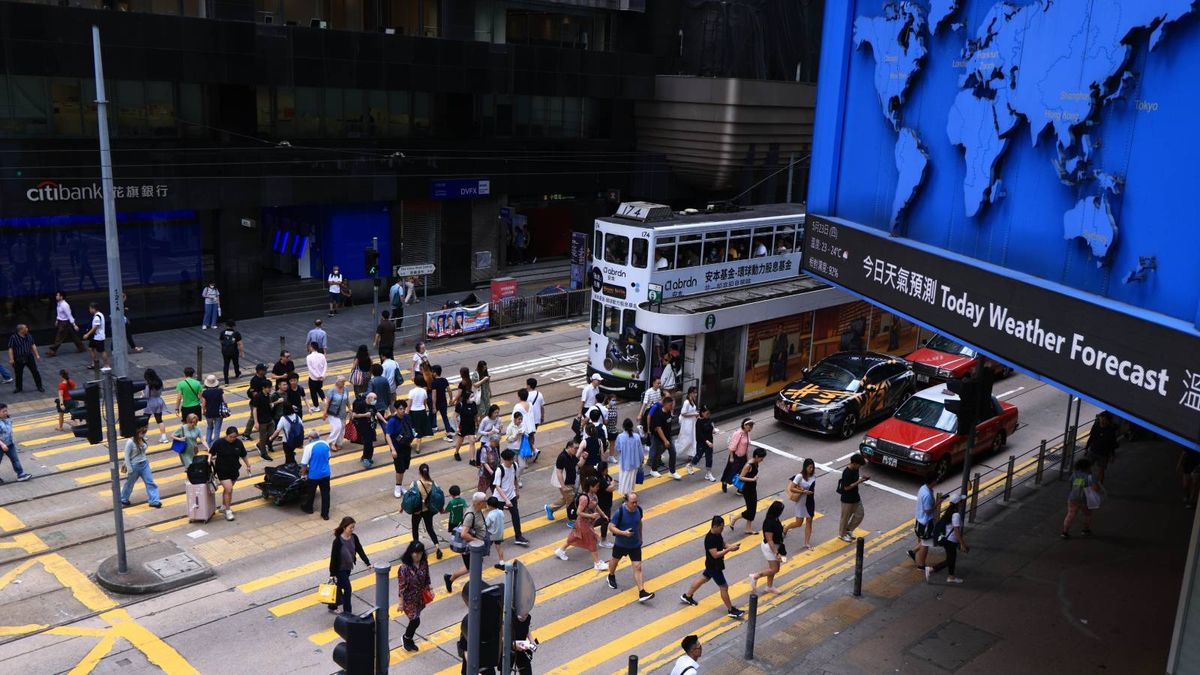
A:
(432, 501)
(137, 466)
(801, 489)
(505, 487)
(537, 406)
(626, 526)
(232, 350)
(314, 468)
(317, 365)
(360, 373)
(688, 664)
(739, 451)
(926, 517)
(391, 373)
(215, 409)
(948, 533)
(474, 528)
(583, 535)
(226, 454)
(399, 433)
(337, 406)
(291, 428)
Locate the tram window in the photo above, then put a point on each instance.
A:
(784, 239)
(616, 249)
(597, 317)
(612, 323)
(739, 245)
(641, 249)
(688, 254)
(599, 246)
(629, 327)
(664, 253)
(714, 248)
(763, 238)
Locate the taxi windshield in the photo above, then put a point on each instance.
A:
(945, 344)
(927, 413)
(829, 376)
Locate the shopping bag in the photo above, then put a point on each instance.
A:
(351, 433)
(178, 445)
(1094, 498)
(327, 593)
(641, 476)
(427, 596)
(526, 448)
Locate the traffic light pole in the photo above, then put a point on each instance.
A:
(116, 301)
(976, 375)
(111, 428)
(375, 281)
(474, 606)
(506, 648)
(382, 653)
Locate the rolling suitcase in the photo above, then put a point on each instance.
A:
(201, 502)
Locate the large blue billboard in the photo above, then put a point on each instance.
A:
(1052, 138)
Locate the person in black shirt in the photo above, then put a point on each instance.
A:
(22, 354)
(295, 393)
(467, 410)
(604, 500)
(749, 476)
(227, 453)
(440, 386)
(1101, 444)
(257, 380)
(362, 416)
(660, 439)
(772, 548)
(593, 446)
(566, 470)
(262, 415)
(715, 551)
(231, 350)
(852, 509)
(284, 366)
(704, 441)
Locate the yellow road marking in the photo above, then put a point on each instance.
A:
(92, 658)
(158, 652)
(9, 522)
(21, 630)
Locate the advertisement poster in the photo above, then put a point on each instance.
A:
(857, 326)
(579, 259)
(776, 352)
(456, 321)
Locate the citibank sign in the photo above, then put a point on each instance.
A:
(51, 191)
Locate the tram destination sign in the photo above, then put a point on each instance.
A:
(1141, 368)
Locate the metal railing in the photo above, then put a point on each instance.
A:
(536, 308)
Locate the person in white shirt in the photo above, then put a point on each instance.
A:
(688, 664)
(653, 395)
(212, 305)
(418, 410)
(420, 361)
(65, 327)
(668, 374)
(318, 335)
(505, 488)
(334, 282)
(391, 371)
(96, 337)
(537, 403)
(590, 393)
(317, 366)
(526, 418)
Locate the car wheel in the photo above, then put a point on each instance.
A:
(942, 469)
(849, 425)
(998, 441)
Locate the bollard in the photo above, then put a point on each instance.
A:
(1037, 479)
(199, 362)
(1008, 478)
(858, 566)
(974, 498)
(632, 664)
(751, 624)
(281, 344)
(382, 571)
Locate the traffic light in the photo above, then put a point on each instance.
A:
(356, 655)
(491, 613)
(128, 418)
(371, 256)
(966, 408)
(87, 408)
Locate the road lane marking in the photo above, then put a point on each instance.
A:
(829, 469)
(1010, 392)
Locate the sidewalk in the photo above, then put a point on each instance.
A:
(168, 352)
(1032, 603)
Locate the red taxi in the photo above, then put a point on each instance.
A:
(942, 359)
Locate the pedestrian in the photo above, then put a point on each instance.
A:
(474, 528)
(440, 387)
(604, 499)
(189, 433)
(925, 519)
(590, 394)
(400, 435)
(316, 374)
(257, 381)
(802, 490)
(96, 336)
(228, 454)
(187, 394)
(685, 442)
(489, 449)
(346, 546)
(155, 405)
(363, 416)
(291, 428)
(626, 526)
(523, 411)
(6, 377)
(232, 350)
(284, 367)
(455, 508)
(337, 407)
(631, 454)
(318, 335)
(420, 362)
(391, 374)
(506, 487)
(213, 403)
(425, 485)
(739, 450)
(360, 374)
(314, 467)
(852, 508)
(262, 415)
(537, 405)
(383, 389)
(1101, 443)
(612, 426)
(334, 281)
(593, 445)
(749, 479)
(1189, 470)
(22, 354)
(668, 375)
(133, 348)
(418, 410)
(483, 382)
(583, 535)
(1082, 481)
(212, 306)
(524, 644)
(652, 396)
(415, 590)
(953, 541)
(9, 446)
(705, 431)
(65, 326)
(563, 477)
(688, 664)
(385, 336)
(715, 551)
(771, 547)
(64, 403)
(137, 466)
(660, 440)
(494, 517)
(467, 410)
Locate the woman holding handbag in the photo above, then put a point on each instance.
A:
(187, 439)
(739, 450)
(337, 406)
(415, 591)
(341, 562)
(360, 374)
(801, 489)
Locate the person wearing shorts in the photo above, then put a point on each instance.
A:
(418, 411)
(715, 551)
(228, 453)
(626, 527)
(398, 432)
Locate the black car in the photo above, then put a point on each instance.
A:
(844, 390)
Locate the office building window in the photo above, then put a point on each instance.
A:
(307, 120)
(422, 113)
(29, 106)
(66, 110)
(399, 113)
(160, 108)
(191, 110)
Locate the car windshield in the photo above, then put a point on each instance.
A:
(945, 344)
(828, 376)
(927, 413)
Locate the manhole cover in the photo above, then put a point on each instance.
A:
(174, 565)
(952, 645)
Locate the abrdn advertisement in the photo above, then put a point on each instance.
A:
(1142, 368)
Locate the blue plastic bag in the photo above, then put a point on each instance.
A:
(641, 476)
(526, 448)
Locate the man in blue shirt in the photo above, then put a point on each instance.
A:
(926, 517)
(314, 466)
(8, 446)
(626, 527)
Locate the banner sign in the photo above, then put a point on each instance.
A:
(456, 321)
(579, 259)
(1142, 368)
(460, 188)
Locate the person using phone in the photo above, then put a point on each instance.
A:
(852, 508)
